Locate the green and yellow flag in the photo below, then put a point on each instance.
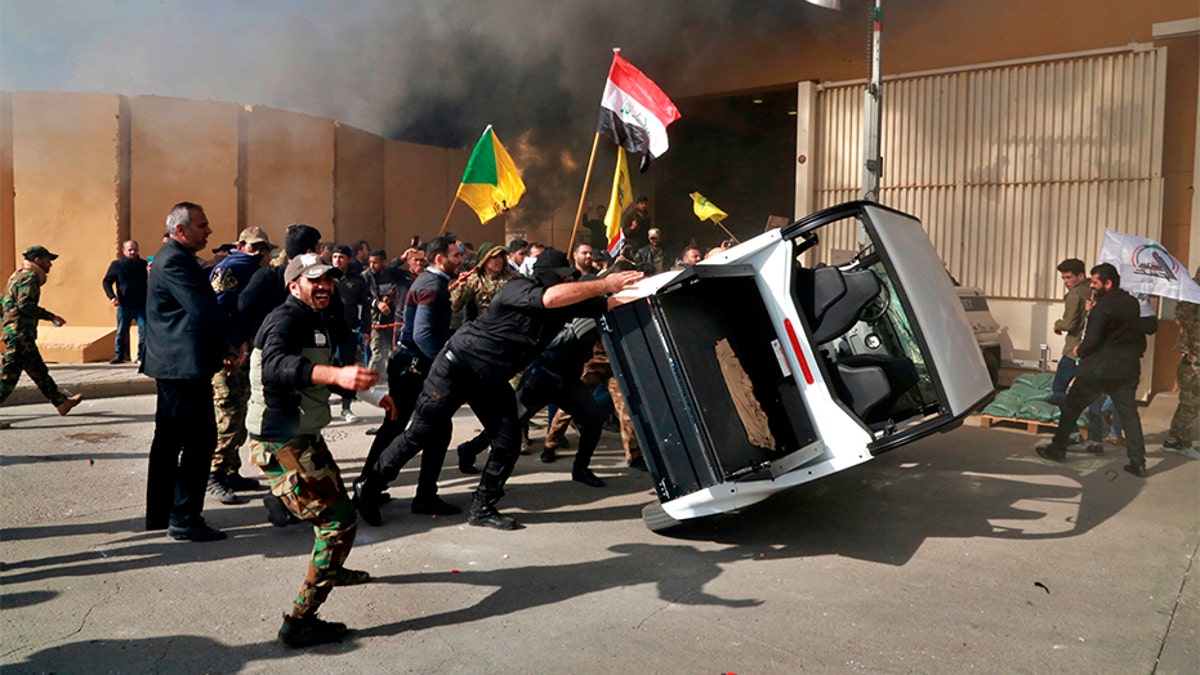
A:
(622, 197)
(490, 185)
(705, 209)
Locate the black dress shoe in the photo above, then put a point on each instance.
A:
(586, 477)
(638, 463)
(548, 456)
(434, 506)
(197, 530)
(1052, 452)
(367, 504)
(1138, 469)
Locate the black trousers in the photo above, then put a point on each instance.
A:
(447, 388)
(185, 435)
(404, 386)
(1088, 389)
(540, 388)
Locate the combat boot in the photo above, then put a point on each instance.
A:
(483, 513)
(307, 631)
(70, 402)
(366, 501)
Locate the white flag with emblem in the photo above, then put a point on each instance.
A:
(1146, 267)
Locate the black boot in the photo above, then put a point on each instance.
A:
(366, 501)
(483, 513)
(310, 630)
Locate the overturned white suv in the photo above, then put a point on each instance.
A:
(750, 373)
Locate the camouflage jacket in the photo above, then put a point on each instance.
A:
(1188, 316)
(19, 306)
(476, 293)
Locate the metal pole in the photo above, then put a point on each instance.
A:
(872, 114)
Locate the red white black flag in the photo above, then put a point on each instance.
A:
(634, 112)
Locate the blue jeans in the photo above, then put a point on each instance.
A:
(1062, 379)
(1096, 410)
(125, 319)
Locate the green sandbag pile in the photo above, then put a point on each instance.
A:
(1030, 398)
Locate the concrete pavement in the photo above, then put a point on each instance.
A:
(960, 552)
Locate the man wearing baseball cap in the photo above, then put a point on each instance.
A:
(21, 313)
(231, 384)
(474, 368)
(292, 371)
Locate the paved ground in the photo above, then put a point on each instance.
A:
(959, 552)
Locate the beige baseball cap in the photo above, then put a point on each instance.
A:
(255, 235)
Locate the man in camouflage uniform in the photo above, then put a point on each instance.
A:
(291, 373)
(21, 314)
(1182, 437)
(475, 294)
(231, 385)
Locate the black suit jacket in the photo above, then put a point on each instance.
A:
(1114, 340)
(185, 336)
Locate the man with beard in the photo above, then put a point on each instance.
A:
(291, 373)
(474, 368)
(1114, 340)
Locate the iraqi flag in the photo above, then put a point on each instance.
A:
(634, 112)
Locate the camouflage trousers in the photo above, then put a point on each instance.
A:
(231, 397)
(1183, 423)
(562, 419)
(307, 480)
(23, 355)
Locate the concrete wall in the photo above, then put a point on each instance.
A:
(289, 171)
(358, 181)
(8, 254)
(421, 183)
(181, 150)
(66, 174)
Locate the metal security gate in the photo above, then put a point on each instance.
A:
(1011, 167)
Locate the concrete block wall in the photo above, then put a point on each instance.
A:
(79, 173)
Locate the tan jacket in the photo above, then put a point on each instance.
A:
(1074, 312)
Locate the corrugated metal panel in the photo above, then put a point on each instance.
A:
(1011, 168)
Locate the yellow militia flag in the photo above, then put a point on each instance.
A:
(622, 197)
(490, 184)
(705, 209)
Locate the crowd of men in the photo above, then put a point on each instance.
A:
(253, 344)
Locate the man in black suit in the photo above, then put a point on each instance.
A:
(1114, 339)
(185, 346)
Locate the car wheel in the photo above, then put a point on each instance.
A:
(657, 519)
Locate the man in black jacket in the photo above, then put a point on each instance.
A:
(292, 371)
(128, 275)
(474, 368)
(185, 345)
(1114, 339)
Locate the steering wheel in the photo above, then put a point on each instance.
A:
(878, 307)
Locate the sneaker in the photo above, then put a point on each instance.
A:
(197, 531)
(1051, 452)
(548, 456)
(307, 631)
(526, 444)
(115, 360)
(1095, 448)
(71, 401)
(278, 514)
(373, 431)
(346, 577)
(1190, 453)
(1137, 468)
(586, 477)
(434, 506)
(217, 488)
(1173, 444)
(349, 417)
(1114, 440)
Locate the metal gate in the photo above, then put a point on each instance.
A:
(1011, 167)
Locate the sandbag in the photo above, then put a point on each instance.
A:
(1044, 381)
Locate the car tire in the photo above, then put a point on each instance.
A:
(657, 519)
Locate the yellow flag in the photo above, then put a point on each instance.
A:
(490, 184)
(622, 197)
(705, 209)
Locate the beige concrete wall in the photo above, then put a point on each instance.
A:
(421, 181)
(182, 150)
(8, 254)
(66, 153)
(358, 185)
(288, 164)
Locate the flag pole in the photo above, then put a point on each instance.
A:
(583, 195)
(722, 226)
(447, 220)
